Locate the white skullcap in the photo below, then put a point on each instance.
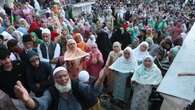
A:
(61, 68)
(45, 31)
(83, 76)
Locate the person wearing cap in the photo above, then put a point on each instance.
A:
(38, 74)
(65, 94)
(48, 51)
(87, 81)
(28, 46)
(10, 72)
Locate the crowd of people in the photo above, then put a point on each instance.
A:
(51, 60)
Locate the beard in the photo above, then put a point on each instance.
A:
(63, 89)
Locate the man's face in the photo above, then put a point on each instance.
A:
(6, 63)
(28, 45)
(62, 78)
(46, 37)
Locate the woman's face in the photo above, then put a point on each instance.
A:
(143, 48)
(35, 61)
(72, 46)
(116, 48)
(93, 48)
(148, 63)
(127, 54)
(78, 39)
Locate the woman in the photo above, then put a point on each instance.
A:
(95, 61)
(112, 57)
(74, 58)
(104, 43)
(38, 74)
(23, 26)
(144, 78)
(141, 52)
(80, 42)
(123, 68)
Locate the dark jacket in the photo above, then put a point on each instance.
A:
(85, 98)
(40, 75)
(8, 79)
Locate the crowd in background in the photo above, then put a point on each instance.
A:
(52, 60)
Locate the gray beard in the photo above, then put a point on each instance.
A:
(63, 89)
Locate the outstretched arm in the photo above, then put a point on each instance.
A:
(23, 95)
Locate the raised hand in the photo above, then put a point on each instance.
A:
(21, 92)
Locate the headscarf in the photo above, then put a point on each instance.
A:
(91, 40)
(75, 53)
(116, 44)
(96, 50)
(81, 44)
(124, 65)
(147, 76)
(139, 54)
(31, 54)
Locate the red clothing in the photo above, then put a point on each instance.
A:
(54, 35)
(34, 26)
(94, 67)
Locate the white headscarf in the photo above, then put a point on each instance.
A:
(124, 65)
(139, 54)
(147, 76)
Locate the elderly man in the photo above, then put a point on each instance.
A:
(48, 51)
(66, 94)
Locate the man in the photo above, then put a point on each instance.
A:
(38, 74)
(15, 50)
(28, 46)
(10, 72)
(64, 95)
(48, 51)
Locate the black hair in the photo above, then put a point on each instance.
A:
(4, 52)
(26, 38)
(1, 37)
(11, 43)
